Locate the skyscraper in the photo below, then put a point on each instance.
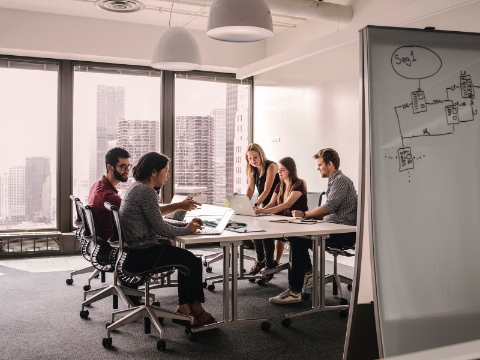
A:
(232, 99)
(138, 137)
(110, 110)
(38, 189)
(220, 156)
(16, 193)
(241, 138)
(194, 153)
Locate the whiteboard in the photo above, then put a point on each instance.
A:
(423, 121)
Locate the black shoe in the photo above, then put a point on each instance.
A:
(135, 300)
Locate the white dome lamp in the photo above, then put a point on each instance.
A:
(240, 21)
(176, 50)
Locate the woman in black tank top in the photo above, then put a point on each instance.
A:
(262, 174)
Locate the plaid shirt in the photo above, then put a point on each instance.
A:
(341, 200)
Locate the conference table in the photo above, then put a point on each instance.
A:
(231, 241)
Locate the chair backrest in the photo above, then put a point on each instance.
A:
(314, 199)
(88, 223)
(79, 218)
(117, 229)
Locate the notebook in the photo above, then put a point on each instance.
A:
(220, 227)
(242, 206)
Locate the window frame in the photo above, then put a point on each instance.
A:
(66, 71)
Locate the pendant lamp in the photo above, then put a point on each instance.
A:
(176, 50)
(240, 20)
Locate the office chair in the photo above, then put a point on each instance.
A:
(150, 313)
(85, 246)
(335, 250)
(104, 263)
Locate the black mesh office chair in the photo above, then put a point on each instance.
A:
(104, 256)
(150, 313)
(85, 246)
(336, 279)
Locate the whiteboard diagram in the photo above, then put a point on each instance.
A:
(423, 115)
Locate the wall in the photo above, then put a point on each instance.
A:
(68, 37)
(309, 105)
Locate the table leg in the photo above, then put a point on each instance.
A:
(318, 292)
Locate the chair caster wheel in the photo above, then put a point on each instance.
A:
(84, 314)
(192, 337)
(265, 326)
(108, 324)
(204, 284)
(156, 303)
(211, 287)
(343, 313)
(349, 287)
(160, 320)
(86, 287)
(107, 342)
(287, 322)
(306, 296)
(251, 280)
(188, 329)
(261, 282)
(343, 301)
(205, 263)
(161, 345)
(69, 281)
(244, 271)
(208, 269)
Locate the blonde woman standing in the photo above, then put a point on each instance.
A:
(262, 174)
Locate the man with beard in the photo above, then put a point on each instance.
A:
(118, 166)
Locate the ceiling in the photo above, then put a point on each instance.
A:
(191, 14)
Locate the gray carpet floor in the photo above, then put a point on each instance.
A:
(40, 320)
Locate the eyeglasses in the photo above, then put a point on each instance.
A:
(124, 166)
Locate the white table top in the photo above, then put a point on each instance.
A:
(272, 229)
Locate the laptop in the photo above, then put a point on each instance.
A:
(242, 206)
(178, 215)
(222, 224)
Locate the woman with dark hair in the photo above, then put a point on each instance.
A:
(262, 174)
(146, 234)
(289, 194)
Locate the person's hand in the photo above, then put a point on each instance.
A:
(260, 211)
(296, 213)
(188, 204)
(198, 221)
(194, 226)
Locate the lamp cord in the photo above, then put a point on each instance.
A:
(171, 10)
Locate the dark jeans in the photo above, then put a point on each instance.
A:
(301, 262)
(265, 249)
(190, 288)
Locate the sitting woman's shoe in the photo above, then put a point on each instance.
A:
(204, 318)
(269, 266)
(196, 323)
(259, 265)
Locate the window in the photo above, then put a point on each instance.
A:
(113, 106)
(208, 109)
(28, 112)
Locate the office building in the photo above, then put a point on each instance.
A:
(16, 193)
(138, 137)
(38, 189)
(231, 110)
(220, 156)
(110, 110)
(194, 153)
(240, 141)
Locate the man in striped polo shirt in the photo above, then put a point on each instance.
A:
(340, 208)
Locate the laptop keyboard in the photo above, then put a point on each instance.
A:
(208, 230)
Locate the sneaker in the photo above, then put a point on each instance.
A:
(307, 282)
(286, 297)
